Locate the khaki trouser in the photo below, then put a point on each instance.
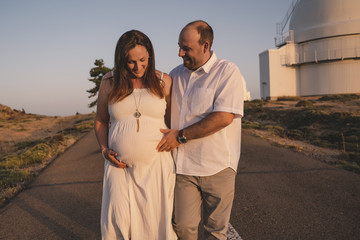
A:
(214, 193)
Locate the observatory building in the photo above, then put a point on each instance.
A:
(318, 55)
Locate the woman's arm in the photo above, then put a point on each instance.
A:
(101, 125)
(167, 88)
(166, 83)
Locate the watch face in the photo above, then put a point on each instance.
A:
(183, 140)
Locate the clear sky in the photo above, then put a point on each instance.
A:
(47, 47)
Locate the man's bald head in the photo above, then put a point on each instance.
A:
(204, 29)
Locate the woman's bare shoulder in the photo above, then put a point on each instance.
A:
(166, 81)
(163, 76)
(107, 80)
(108, 76)
(158, 74)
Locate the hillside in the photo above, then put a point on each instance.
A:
(328, 125)
(28, 143)
(326, 128)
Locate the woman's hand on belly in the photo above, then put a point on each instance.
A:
(111, 155)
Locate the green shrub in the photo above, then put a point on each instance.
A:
(27, 144)
(250, 124)
(36, 154)
(10, 162)
(280, 131)
(11, 177)
(257, 103)
(289, 98)
(295, 134)
(340, 97)
(302, 118)
(85, 126)
(304, 103)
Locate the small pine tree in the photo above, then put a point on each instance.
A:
(96, 74)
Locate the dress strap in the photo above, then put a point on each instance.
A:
(162, 75)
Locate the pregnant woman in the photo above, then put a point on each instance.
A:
(133, 105)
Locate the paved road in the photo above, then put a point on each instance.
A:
(63, 202)
(279, 195)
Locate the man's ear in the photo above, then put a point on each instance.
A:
(206, 46)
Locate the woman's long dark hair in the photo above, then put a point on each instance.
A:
(122, 85)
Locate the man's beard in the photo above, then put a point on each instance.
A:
(188, 63)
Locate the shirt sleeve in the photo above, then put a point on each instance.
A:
(229, 95)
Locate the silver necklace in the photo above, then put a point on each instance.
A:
(137, 113)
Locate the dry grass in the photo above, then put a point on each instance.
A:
(327, 127)
(29, 142)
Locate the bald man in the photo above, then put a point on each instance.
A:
(205, 135)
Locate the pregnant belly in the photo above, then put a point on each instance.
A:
(135, 148)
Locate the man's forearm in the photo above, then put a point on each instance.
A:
(209, 125)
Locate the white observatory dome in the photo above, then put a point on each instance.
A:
(319, 56)
(316, 19)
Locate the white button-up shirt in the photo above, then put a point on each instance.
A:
(215, 87)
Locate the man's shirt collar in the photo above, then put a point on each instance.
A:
(207, 66)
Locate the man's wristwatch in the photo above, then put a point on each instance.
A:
(181, 138)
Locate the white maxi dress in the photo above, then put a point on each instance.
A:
(137, 201)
